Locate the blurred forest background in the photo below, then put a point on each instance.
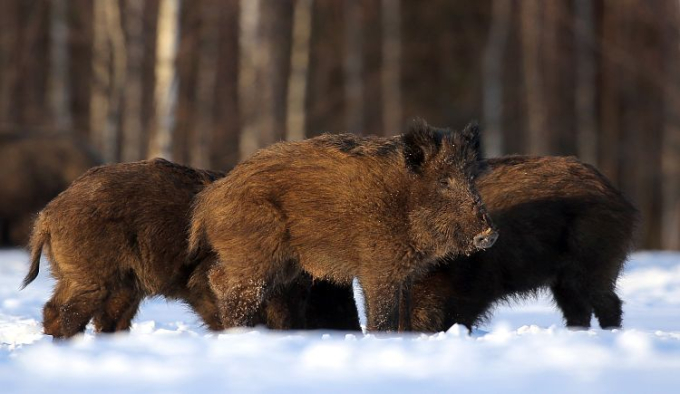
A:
(207, 82)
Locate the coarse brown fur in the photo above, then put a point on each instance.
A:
(34, 168)
(562, 226)
(115, 236)
(338, 207)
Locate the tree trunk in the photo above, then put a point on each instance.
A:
(59, 60)
(227, 131)
(299, 73)
(353, 67)
(166, 85)
(80, 13)
(391, 67)
(205, 85)
(9, 56)
(325, 99)
(531, 18)
(586, 82)
(493, 77)
(131, 124)
(670, 212)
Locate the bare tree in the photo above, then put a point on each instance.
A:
(227, 131)
(101, 83)
(353, 67)
(205, 84)
(670, 212)
(493, 76)
(80, 15)
(131, 124)
(391, 60)
(58, 77)
(9, 46)
(166, 82)
(586, 83)
(325, 98)
(297, 83)
(531, 18)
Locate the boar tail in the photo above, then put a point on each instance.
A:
(196, 237)
(39, 237)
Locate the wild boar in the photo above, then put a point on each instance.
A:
(339, 207)
(34, 168)
(115, 236)
(562, 226)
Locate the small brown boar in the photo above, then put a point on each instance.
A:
(562, 226)
(115, 236)
(339, 207)
(34, 168)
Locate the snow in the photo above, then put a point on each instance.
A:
(524, 348)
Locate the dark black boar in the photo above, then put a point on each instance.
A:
(339, 207)
(562, 226)
(115, 236)
(34, 168)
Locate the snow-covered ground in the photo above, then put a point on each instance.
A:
(524, 348)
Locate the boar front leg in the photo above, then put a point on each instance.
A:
(382, 303)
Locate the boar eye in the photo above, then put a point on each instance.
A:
(444, 182)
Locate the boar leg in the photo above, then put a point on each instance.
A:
(203, 303)
(382, 304)
(607, 306)
(574, 302)
(285, 308)
(239, 297)
(118, 311)
(72, 306)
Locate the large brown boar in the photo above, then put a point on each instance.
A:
(339, 207)
(115, 236)
(34, 168)
(562, 226)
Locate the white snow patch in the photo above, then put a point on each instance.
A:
(524, 348)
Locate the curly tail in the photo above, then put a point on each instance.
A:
(39, 236)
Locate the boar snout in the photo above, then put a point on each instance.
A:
(485, 239)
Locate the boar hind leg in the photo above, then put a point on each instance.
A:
(203, 303)
(382, 305)
(574, 302)
(73, 305)
(238, 297)
(607, 306)
(118, 311)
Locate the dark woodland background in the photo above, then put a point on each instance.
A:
(207, 82)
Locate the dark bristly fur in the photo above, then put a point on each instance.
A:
(115, 236)
(562, 226)
(34, 168)
(338, 207)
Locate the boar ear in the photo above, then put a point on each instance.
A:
(421, 142)
(471, 135)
